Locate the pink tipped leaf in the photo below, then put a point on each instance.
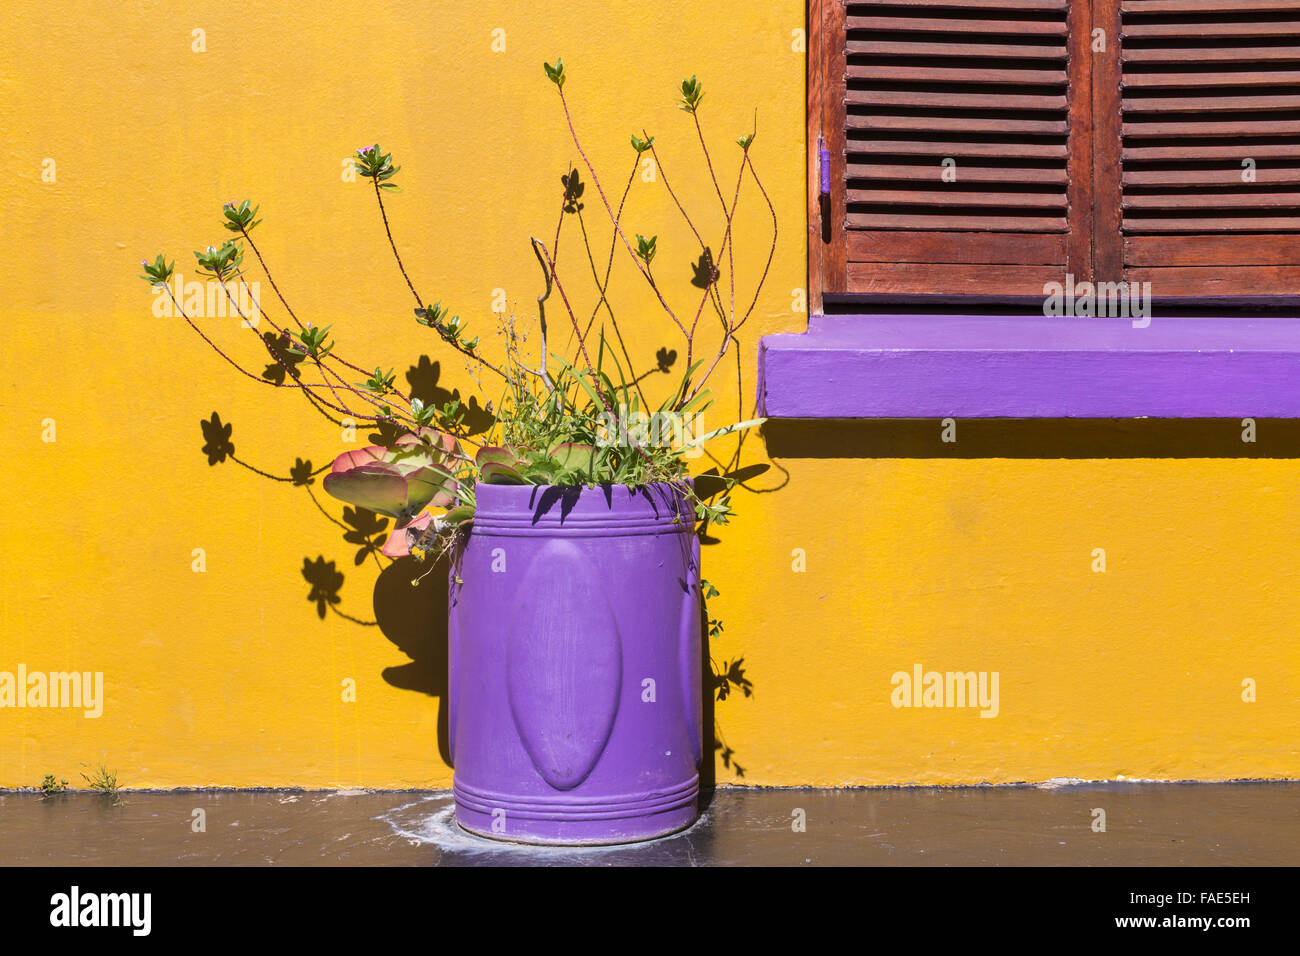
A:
(430, 485)
(498, 473)
(375, 487)
(398, 544)
(511, 456)
(358, 457)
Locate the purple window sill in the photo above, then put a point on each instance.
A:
(937, 366)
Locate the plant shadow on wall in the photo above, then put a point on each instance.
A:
(412, 618)
(563, 418)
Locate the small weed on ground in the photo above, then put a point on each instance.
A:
(102, 780)
(49, 786)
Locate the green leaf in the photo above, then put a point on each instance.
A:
(541, 472)
(374, 487)
(555, 73)
(719, 432)
(571, 456)
(695, 400)
(431, 484)
(580, 378)
(460, 515)
(496, 473)
(508, 455)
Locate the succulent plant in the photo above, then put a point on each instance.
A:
(586, 417)
(400, 481)
(563, 463)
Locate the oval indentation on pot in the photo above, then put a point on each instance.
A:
(564, 664)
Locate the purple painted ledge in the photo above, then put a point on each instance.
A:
(936, 366)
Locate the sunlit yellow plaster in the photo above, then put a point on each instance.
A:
(228, 677)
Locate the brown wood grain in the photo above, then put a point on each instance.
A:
(1221, 226)
(1212, 54)
(996, 248)
(1046, 6)
(930, 86)
(951, 197)
(1224, 28)
(1081, 167)
(965, 50)
(903, 278)
(1248, 197)
(965, 172)
(1200, 152)
(1196, 178)
(1208, 6)
(1264, 126)
(834, 13)
(1196, 230)
(1227, 103)
(957, 74)
(954, 99)
(990, 222)
(1215, 280)
(942, 24)
(1195, 81)
(994, 125)
(1277, 249)
(815, 92)
(984, 149)
(1111, 164)
(1106, 145)
(826, 89)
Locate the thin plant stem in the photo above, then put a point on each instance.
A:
(644, 270)
(618, 333)
(379, 197)
(342, 406)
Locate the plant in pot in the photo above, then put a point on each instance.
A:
(569, 522)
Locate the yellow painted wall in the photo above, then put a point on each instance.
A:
(956, 560)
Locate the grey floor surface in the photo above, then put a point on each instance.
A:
(1232, 824)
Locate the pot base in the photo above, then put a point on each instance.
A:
(560, 821)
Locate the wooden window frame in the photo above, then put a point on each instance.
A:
(1097, 248)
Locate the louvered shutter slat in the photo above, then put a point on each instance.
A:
(1057, 6)
(1017, 51)
(1229, 103)
(939, 23)
(1203, 129)
(924, 98)
(959, 124)
(951, 74)
(1197, 178)
(1200, 81)
(969, 173)
(1206, 54)
(1208, 6)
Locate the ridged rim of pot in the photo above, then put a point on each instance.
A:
(524, 510)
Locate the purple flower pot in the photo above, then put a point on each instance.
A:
(574, 665)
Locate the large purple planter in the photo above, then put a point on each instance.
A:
(574, 685)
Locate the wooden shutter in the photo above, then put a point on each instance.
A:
(1210, 91)
(995, 89)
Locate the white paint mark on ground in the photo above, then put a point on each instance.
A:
(432, 820)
